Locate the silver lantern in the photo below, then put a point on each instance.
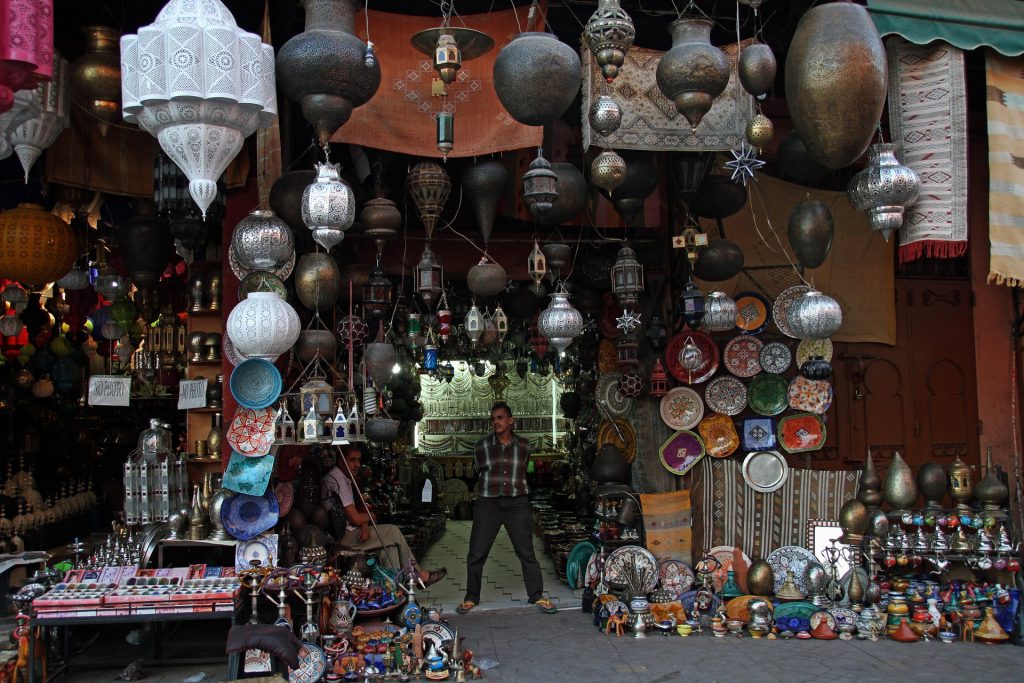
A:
(560, 322)
(815, 316)
(608, 170)
(884, 189)
(719, 313)
(605, 115)
(262, 241)
(609, 34)
(328, 206)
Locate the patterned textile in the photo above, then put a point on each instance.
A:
(930, 126)
(667, 521)
(650, 120)
(400, 117)
(728, 512)
(1006, 168)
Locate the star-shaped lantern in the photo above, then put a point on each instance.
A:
(744, 163)
(628, 322)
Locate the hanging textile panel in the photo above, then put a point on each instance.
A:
(650, 120)
(928, 119)
(667, 525)
(728, 512)
(401, 116)
(1005, 77)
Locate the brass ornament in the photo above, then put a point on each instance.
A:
(609, 34)
(760, 131)
(760, 578)
(317, 281)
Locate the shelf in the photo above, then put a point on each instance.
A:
(205, 411)
(219, 313)
(203, 461)
(204, 363)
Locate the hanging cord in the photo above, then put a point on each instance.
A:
(775, 233)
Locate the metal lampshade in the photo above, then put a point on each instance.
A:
(428, 276)
(627, 277)
(540, 186)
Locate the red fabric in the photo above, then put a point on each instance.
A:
(26, 46)
(931, 249)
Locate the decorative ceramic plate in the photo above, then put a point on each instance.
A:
(741, 356)
(783, 302)
(726, 395)
(792, 558)
(245, 516)
(681, 408)
(681, 451)
(440, 633)
(709, 357)
(251, 432)
(739, 608)
(575, 566)
(810, 395)
(758, 434)
(228, 349)
(262, 281)
(676, 576)
(248, 475)
(723, 553)
(775, 357)
(262, 548)
(631, 558)
(285, 494)
(255, 383)
(843, 616)
(608, 394)
(719, 434)
(607, 357)
(801, 433)
(241, 272)
(312, 665)
(820, 616)
(623, 438)
(765, 471)
(689, 597)
(800, 609)
(752, 312)
(767, 394)
(810, 348)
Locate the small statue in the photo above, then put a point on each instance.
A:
(616, 620)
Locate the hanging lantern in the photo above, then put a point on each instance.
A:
(111, 330)
(691, 305)
(814, 316)
(174, 203)
(36, 247)
(328, 206)
(608, 170)
(352, 330)
(694, 72)
(500, 323)
(75, 279)
(690, 356)
(378, 293)
(627, 277)
(326, 68)
(656, 333)
(719, 313)
(379, 359)
(96, 75)
(145, 246)
(540, 186)
(536, 77)
(557, 255)
(447, 58)
(474, 324)
(200, 107)
(630, 385)
(429, 276)
(263, 325)
(445, 138)
(486, 278)
(560, 323)
(39, 132)
(26, 106)
(609, 34)
(605, 115)
(536, 265)
(262, 241)
(26, 51)
(659, 379)
(483, 184)
(380, 217)
(884, 189)
(15, 295)
(757, 69)
(760, 131)
(444, 322)
(429, 186)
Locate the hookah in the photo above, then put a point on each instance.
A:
(255, 660)
(833, 555)
(309, 633)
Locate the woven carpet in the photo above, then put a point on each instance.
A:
(650, 120)
(1005, 77)
(728, 512)
(667, 521)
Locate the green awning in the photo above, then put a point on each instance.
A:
(966, 24)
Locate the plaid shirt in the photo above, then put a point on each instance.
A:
(502, 469)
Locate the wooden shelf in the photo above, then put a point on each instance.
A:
(204, 363)
(203, 461)
(219, 313)
(205, 411)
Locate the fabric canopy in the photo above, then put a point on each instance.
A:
(965, 24)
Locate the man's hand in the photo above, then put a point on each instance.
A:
(364, 533)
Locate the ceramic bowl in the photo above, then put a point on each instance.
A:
(684, 630)
(947, 636)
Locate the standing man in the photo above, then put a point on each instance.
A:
(502, 500)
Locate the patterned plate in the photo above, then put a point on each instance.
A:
(742, 355)
(262, 548)
(607, 356)
(682, 408)
(241, 272)
(312, 665)
(255, 383)
(440, 633)
(801, 433)
(767, 394)
(775, 357)
(783, 302)
(726, 395)
(809, 348)
(809, 395)
(609, 395)
(752, 312)
(792, 558)
(228, 348)
(631, 558)
(758, 433)
(251, 432)
(619, 434)
(843, 616)
(719, 434)
(709, 357)
(262, 281)
(676, 576)
(681, 451)
(724, 554)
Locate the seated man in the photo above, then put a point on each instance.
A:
(362, 532)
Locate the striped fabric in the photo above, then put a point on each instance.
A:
(1005, 77)
(667, 521)
(728, 512)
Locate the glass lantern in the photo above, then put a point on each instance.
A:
(428, 276)
(378, 293)
(447, 58)
(691, 304)
(536, 265)
(500, 323)
(316, 393)
(474, 324)
(540, 185)
(627, 277)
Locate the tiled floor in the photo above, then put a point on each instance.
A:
(503, 578)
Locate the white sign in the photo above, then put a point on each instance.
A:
(192, 393)
(109, 390)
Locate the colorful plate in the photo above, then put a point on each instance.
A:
(681, 408)
(810, 395)
(611, 398)
(726, 395)
(262, 548)
(809, 348)
(631, 559)
(767, 394)
(285, 494)
(681, 451)
(742, 355)
(440, 633)
(775, 357)
(719, 435)
(251, 432)
(758, 434)
(709, 357)
(312, 665)
(792, 558)
(801, 433)
(783, 302)
(752, 312)
(723, 553)
(255, 383)
(248, 475)
(246, 517)
(765, 471)
(676, 576)
(800, 609)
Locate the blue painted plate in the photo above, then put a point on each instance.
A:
(255, 383)
(246, 517)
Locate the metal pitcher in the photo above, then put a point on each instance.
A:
(343, 612)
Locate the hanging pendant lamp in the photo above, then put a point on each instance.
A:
(429, 186)
(39, 132)
(26, 47)
(609, 34)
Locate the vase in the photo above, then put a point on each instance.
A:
(729, 588)
(197, 517)
(991, 492)
(836, 78)
(217, 532)
(262, 241)
(326, 68)
(214, 437)
(536, 77)
(483, 184)
(810, 232)
(263, 326)
(694, 72)
(870, 485)
(931, 482)
(317, 281)
(884, 189)
(900, 489)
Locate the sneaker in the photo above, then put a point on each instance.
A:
(465, 606)
(546, 606)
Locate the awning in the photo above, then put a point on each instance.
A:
(966, 24)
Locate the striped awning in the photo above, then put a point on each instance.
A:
(966, 24)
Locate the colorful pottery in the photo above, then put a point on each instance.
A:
(248, 475)
(681, 408)
(681, 451)
(726, 395)
(813, 348)
(252, 431)
(246, 516)
(676, 576)
(775, 357)
(719, 435)
(791, 558)
(725, 555)
(810, 395)
(742, 355)
(709, 357)
(752, 312)
(758, 434)
(801, 433)
(768, 394)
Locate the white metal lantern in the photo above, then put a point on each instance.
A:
(500, 323)
(560, 322)
(26, 106)
(328, 206)
(354, 425)
(719, 313)
(199, 84)
(814, 316)
(263, 325)
(39, 132)
(474, 324)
